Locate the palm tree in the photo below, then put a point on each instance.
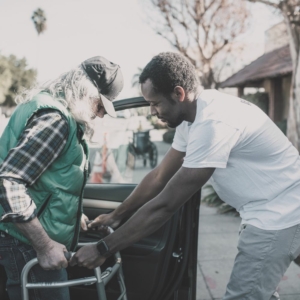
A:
(39, 20)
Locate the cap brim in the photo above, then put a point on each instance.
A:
(115, 87)
(109, 107)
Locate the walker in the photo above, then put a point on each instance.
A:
(100, 278)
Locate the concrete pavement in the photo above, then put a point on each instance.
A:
(218, 236)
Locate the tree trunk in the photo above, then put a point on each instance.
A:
(207, 79)
(293, 125)
(293, 129)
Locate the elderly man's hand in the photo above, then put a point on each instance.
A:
(87, 256)
(52, 257)
(83, 222)
(104, 220)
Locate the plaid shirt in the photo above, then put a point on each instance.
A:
(41, 142)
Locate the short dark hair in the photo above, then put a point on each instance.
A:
(168, 70)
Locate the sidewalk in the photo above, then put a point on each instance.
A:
(218, 236)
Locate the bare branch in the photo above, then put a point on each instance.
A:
(200, 29)
(266, 2)
(207, 8)
(177, 43)
(218, 49)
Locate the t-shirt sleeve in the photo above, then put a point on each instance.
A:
(210, 144)
(179, 141)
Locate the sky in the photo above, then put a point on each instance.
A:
(116, 29)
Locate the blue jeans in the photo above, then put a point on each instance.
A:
(13, 256)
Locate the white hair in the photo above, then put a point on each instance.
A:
(75, 91)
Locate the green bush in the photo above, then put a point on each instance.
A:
(169, 136)
(211, 198)
(156, 123)
(262, 101)
(259, 99)
(15, 75)
(282, 125)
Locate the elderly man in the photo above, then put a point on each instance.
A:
(43, 170)
(250, 163)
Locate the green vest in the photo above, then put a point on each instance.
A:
(58, 191)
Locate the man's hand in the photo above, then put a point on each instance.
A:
(50, 254)
(105, 220)
(87, 256)
(52, 258)
(83, 221)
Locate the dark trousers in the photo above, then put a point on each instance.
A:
(13, 256)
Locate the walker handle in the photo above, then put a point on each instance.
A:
(68, 255)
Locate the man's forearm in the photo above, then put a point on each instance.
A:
(35, 233)
(152, 184)
(139, 226)
(50, 254)
(148, 218)
(159, 210)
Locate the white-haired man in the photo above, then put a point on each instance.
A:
(43, 170)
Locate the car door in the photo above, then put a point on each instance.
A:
(163, 265)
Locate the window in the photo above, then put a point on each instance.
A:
(126, 148)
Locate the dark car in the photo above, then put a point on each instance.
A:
(161, 266)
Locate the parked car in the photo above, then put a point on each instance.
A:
(162, 266)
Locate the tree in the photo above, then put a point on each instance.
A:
(135, 82)
(290, 10)
(5, 79)
(14, 76)
(201, 30)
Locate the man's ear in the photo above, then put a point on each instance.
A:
(179, 93)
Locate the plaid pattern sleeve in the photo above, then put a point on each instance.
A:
(39, 145)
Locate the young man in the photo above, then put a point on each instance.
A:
(250, 163)
(43, 170)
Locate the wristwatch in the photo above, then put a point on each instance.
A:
(103, 249)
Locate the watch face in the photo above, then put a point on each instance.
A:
(102, 247)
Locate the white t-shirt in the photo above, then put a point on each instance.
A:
(257, 168)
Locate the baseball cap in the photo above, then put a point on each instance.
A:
(107, 78)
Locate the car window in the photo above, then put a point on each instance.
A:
(126, 148)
